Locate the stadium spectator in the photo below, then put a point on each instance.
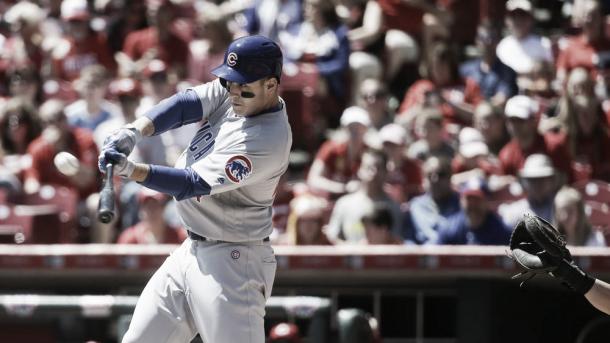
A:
(321, 39)
(160, 40)
(25, 83)
(522, 125)
(496, 81)
(346, 219)
(378, 226)
(492, 125)
(80, 46)
(404, 176)
(270, 17)
(378, 51)
(306, 221)
(431, 209)
(443, 88)
(522, 48)
(540, 182)
(19, 126)
(373, 96)
(58, 136)
(432, 141)
(472, 159)
(152, 228)
(125, 17)
(91, 109)
(582, 119)
(24, 47)
(588, 50)
(475, 223)
(571, 220)
(338, 159)
(212, 37)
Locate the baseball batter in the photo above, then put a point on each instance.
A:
(216, 283)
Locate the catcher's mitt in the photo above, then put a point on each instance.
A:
(539, 248)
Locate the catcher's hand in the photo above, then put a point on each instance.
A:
(539, 248)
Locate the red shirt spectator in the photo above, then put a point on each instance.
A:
(152, 228)
(141, 234)
(58, 136)
(589, 49)
(71, 56)
(339, 165)
(171, 49)
(512, 156)
(397, 14)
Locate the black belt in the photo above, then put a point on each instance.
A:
(197, 237)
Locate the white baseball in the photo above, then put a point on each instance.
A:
(66, 163)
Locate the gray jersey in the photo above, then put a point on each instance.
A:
(242, 159)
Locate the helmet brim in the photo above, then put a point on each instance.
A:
(232, 75)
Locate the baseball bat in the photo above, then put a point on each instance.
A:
(105, 210)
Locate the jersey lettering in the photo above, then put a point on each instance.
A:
(202, 142)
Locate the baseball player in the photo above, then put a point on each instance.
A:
(216, 283)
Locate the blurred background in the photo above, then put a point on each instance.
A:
(423, 130)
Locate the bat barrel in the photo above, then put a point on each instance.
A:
(105, 212)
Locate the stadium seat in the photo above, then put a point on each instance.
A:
(65, 201)
(37, 224)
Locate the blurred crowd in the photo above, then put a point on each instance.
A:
(414, 121)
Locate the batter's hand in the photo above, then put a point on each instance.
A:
(123, 140)
(121, 164)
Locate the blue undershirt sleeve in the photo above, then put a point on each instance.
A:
(180, 109)
(179, 183)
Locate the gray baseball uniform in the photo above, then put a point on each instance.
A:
(218, 287)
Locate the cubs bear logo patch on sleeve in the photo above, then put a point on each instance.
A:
(238, 168)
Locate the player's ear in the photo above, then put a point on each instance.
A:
(270, 83)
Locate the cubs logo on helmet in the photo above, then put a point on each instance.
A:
(238, 168)
(232, 59)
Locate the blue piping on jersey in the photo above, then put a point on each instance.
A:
(179, 183)
(180, 109)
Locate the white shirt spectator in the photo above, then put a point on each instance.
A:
(522, 55)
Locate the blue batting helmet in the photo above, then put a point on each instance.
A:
(249, 59)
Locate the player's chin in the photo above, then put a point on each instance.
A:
(239, 109)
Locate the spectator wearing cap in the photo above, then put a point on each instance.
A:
(475, 223)
(428, 211)
(491, 123)
(404, 176)
(91, 109)
(588, 50)
(338, 159)
(378, 226)
(269, 18)
(306, 221)
(212, 37)
(152, 228)
(522, 48)
(346, 219)
(80, 46)
(582, 120)
(522, 126)
(160, 40)
(540, 182)
(432, 142)
(497, 82)
(473, 158)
